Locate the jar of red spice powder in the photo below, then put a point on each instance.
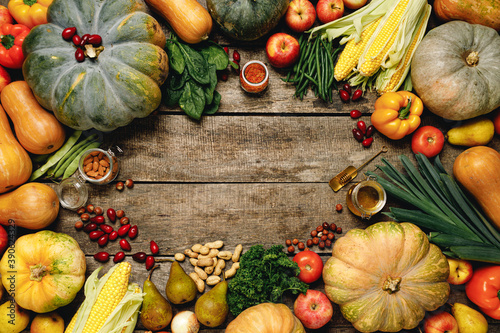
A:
(254, 76)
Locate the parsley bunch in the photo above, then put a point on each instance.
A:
(263, 276)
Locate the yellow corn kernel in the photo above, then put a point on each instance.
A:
(349, 57)
(111, 294)
(381, 44)
(71, 324)
(402, 67)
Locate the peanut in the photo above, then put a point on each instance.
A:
(213, 280)
(193, 261)
(215, 245)
(204, 250)
(179, 256)
(205, 262)
(200, 284)
(201, 273)
(209, 269)
(221, 264)
(226, 255)
(237, 253)
(190, 253)
(232, 271)
(196, 248)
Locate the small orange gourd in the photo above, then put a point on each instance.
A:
(190, 20)
(32, 206)
(478, 170)
(485, 12)
(15, 163)
(38, 130)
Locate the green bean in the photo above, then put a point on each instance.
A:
(60, 171)
(74, 164)
(311, 79)
(317, 51)
(57, 156)
(52, 171)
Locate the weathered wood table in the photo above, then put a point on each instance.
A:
(256, 172)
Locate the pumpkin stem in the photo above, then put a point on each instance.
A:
(391, 285)
(38, 271)
(472, 59)
(405, 112)
(93, 52)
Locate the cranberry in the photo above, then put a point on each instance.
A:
(369, 131)
(95, 40)
(355, 114)
(155, 249)
(358, 135)
(347, 87)
(344, 95)
(68, 33)
(357, 94)
(103, 240)
(106, 228)
(99, 219)
(76, 40)
(90, 227)
(123, 231)
(119, 257)
(111, 214)
(113, 235)
(236, 56)
(139, 257)
(96, 234)
(125, 245)
(361, 126)
(150, 262)
(133, 231)
(367, 142)
(101, 256)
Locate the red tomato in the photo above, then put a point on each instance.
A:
(427, 140)
(4, 240)
(496, 122)
(310, 264)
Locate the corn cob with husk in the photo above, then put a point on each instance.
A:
(380, 39)
(111, 303)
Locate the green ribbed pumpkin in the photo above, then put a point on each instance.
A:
(247, 20)
(106, 92)
(386, 276)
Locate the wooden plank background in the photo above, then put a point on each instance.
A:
(256, 172)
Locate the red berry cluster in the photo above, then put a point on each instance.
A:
(323, 236)
(70, 34)
(345, 93)
(102, 233)
(235, 63)
(363, 134)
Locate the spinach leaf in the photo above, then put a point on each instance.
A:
(171, 97)
(214, 106)
(210, 87)
(175, 56)
(196, 64)
(192, 100)
(177, 81)
(215, 54)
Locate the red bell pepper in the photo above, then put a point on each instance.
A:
(11, 41)
(484, 290)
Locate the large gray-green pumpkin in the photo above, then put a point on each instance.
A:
(247, 20)
(456, 70)
(107, 92)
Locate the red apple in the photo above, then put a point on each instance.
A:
(460, 271)
(313, 309)
(300, 15)
(282, 50)
(329, 10)
(354, 4)
(441, 322)
(4, 240)
(5, 16)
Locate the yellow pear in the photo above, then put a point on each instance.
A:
(13, 319)
(468, 319)
(473, 132)
(2, 289)
(50, 322)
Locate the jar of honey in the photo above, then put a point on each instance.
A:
(366, 198)
(254, 77)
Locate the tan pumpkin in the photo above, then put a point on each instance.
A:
(38, 130)
(385, 277)
(456, 70)
(478, 170)
(485, 12)
(266, 318)
(188, 18)
(32, 206)
(15, 163)
(45, 270)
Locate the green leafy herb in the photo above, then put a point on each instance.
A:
(175, 57)
(192, 100)
(215, 54)
(195, 64)
(263, 276)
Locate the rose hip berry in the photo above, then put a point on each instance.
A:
(90, 227)
(113, 235)
(361, 126)
(357, 95)
(68, 33)
(358, 135)
(124, 220)
(96, 234)
(99, 219)
(106, 228)
(236, 56)
(155, 249)
(119, 257)
(150, 262)
(226, 49)
(101, 256)
(123, 230)
(369, 131)
(132, 233)
(367, 142)
(344, 95)
(125, 245)
(140, 257)
(103, 240)
(76, 40)
(355, 114)
(347, 87)
(291, 249)
(111, 214)
(326, 226)
(84, 40)
(95, 40)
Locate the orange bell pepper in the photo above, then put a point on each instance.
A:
(397, 114)
(29, 12)
(483, 289)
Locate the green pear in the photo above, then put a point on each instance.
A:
(180, 287)
(211, 308)
(473, 132)
(468, 319)
(156, 311)
(50, 322)
(13, 318)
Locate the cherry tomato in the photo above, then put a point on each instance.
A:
(427, 140)
(496, 122)
(310, 264)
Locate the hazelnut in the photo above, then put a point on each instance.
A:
(119, 186)
(338, 208)
(85, 217)
(79, 225)
(291, 249)
(124, 220)
(301, 246)
(120, 213)
(90, 208)
(129, 183)
(98, 210)
(80, 210)
(295, 241)
(288, 242)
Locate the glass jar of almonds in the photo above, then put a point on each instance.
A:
(98, 166)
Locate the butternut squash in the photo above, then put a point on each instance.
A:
(190, 20)
(32, 206)
(15, 163)
(38, 131)
(485, 12)
(478, 170)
